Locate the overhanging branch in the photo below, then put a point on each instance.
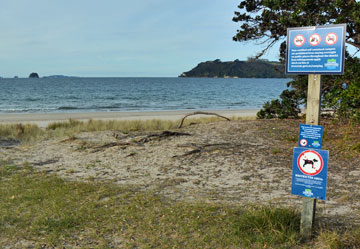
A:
(357, 45)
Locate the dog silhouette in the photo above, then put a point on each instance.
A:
(311, 162)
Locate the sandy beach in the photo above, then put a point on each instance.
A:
(43, 119)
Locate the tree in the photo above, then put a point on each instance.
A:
(267, 21)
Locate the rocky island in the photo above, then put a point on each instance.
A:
(33, 75)
(237, 69)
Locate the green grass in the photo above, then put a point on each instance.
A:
(42, 209)
(45, 209)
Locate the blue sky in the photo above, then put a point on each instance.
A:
(138, 38)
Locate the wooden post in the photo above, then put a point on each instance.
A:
(312, 118)
(313, 100)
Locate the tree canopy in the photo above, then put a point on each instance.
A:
(267, 21)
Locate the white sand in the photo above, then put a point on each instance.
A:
(42, 119)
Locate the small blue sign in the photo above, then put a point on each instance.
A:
(310, 136)
(309, 175)
(316, 50)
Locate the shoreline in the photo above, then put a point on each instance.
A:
(44, 119)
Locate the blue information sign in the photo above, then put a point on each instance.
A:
(310, 136)
(309, 174)
(316, 50)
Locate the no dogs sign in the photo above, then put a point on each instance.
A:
(309, 175)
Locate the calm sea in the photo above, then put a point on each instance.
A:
(54, 95)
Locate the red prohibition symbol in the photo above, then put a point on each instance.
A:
(331, 39)
(314, 39)
(303, 142)
(310, 162)
(299, 40)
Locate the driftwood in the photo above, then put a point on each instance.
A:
(200, 113)
(139, 140)
(162, 135)
(123, 145)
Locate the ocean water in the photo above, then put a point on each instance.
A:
(62, 95)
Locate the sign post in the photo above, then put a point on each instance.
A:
(313, 118)
(314, 51)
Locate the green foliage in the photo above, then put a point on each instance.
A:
(241, 69)
(268, 20)
(343, 93)
(287, 107)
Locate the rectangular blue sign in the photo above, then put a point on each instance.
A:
(316, 50)
(310, 136)
(309, 175)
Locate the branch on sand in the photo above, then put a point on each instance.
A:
(201, 113)
(139, 140)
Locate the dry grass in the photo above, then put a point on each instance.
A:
(29, 133)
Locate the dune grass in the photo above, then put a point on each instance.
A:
(31, 132)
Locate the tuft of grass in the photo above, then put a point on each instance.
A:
(266, 225)
(356, 147)
(333, 239)
(291, 138)
(7, 168)
(275, 151)
(22, 132)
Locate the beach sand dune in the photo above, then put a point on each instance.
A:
(240, 162)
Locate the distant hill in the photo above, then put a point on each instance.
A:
(237, 69)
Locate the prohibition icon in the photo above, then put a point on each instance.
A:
(331, 39)
(303, 142)
(310, 162)
(314, 39)
(299, 40)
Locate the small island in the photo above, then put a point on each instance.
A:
(33, 75)
(237, 69)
